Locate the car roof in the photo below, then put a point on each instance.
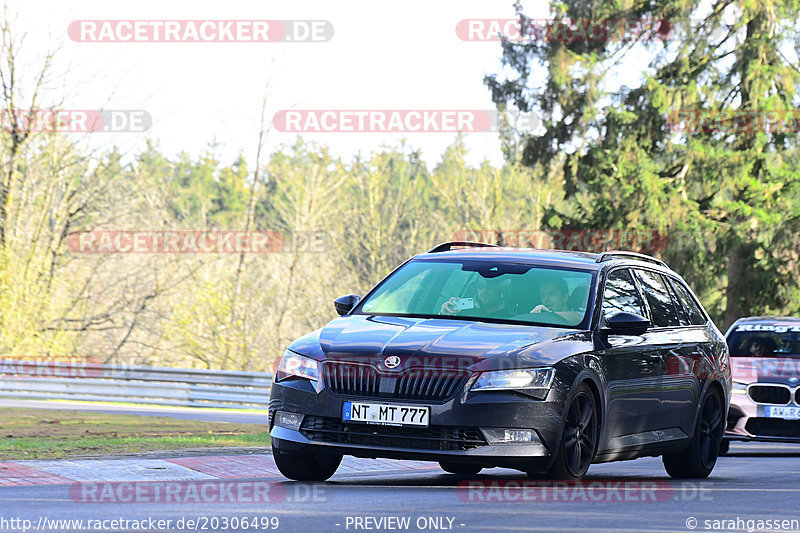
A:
(768, 319)
(537, 256)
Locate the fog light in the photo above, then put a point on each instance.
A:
(499, 436)
(288, 420)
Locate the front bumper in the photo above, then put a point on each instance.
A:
(454, 433)
(746, 422)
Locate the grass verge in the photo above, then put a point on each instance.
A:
(39, 434)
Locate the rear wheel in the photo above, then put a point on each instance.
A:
(463, 469)
(580, 437)
(698, 460)
(306, 466)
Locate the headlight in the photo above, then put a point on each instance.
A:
(536, 381)
(739, 388)
(292, 364)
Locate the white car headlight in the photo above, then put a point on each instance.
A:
(536, 381)
(739, 388)
(292, 364)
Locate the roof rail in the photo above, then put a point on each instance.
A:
(445, 246)
(605, 256)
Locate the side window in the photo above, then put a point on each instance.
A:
(620, 294)
(689, 305)
(663, 312)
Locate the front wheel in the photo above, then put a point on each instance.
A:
(579, 439)
(699, 458)
(306, 466)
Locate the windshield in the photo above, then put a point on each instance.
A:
(765, 340)
(483, 290)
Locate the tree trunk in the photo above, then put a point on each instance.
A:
(735, 307)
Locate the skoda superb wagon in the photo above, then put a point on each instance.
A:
(477, 357)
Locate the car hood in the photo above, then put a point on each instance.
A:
(784, 370)
(441, 343)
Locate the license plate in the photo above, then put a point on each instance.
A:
(788, 413)
(386, 414)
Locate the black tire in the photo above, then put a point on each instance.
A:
(579, 439)
(699, 458)
(463, 469)
(306, 466)
(724, 447)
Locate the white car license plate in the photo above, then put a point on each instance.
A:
(788, 413)
(386, 414)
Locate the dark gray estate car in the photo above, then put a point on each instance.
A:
(540, 360)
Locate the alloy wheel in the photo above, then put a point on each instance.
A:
(710, 428)
(580, 433)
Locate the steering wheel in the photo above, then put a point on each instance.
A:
(551, 317)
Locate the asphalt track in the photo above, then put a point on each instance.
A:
(758, 482)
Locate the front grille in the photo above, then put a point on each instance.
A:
(797, 396)
(353, 379)
(333, 430)
(770, 394)
(773, 427)
(428, 384)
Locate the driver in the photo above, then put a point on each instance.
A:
(555, 299)
(488, 303)
(761, 346)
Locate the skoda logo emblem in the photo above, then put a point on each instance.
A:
(391, 362)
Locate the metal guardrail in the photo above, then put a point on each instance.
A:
(134, 384)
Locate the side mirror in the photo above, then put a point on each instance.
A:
(345, 304)
(626, 324)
